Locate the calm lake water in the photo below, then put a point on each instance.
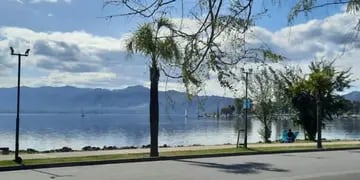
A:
(51, 131)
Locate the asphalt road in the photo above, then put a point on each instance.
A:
(335, 165)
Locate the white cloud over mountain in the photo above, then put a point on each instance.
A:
(82, 59)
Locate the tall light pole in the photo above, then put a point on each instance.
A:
(246, 103)
(17, 158)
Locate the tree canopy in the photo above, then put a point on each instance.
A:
(211, 36)
(263, 91)
(323, 83)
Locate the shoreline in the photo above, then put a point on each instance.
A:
(66, 149)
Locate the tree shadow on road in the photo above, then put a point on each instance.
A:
(52, 175)
(354, 151)
(303, 156)
(244, 168)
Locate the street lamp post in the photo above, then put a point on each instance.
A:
(17, 158)
(246, 103)
(247, 72)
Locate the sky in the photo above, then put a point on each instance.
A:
(72, 44)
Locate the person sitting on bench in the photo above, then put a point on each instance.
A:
(290, 136)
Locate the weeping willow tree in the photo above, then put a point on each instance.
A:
(212, 35)
(307, 6)
(263, 91)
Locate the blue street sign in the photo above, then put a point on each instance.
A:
(247, 104)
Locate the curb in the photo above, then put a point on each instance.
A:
(162, 158)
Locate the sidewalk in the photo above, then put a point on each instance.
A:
(146, 150)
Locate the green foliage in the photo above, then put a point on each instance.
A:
(161, 50)
(228, 111)
(268, 54)
(353, 6)
(214, 44)
(147, 41)
(307, 6)
(238, 103)
(305, 104)
(323, 83)
(263, 92)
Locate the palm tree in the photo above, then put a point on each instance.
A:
(160, 49)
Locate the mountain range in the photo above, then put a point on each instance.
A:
(353, 96)
(133, 99)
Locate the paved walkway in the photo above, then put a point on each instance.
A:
(146, 150)
(334, 165)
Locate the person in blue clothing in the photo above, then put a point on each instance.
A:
(290, 136)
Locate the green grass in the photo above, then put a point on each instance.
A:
(84, 158)
(74, 159)
(7, 163)
(169, 154)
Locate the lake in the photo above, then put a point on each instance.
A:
(55, 130)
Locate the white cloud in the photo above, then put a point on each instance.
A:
(70, 58)
(70, 51)
(330, 38)
(19, 1)
(82, 59)
(66, 78)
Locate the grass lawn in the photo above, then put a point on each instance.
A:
(171, 154)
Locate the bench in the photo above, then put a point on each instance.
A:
(284, 137)
(4, 150)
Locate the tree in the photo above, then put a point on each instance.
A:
(216, 39)
(228, 111)
(239, 105)
(307, 6)
(215, 42)
(315, 96)
(146, 40)
(211, 40)
(212, 35)
(263, 90)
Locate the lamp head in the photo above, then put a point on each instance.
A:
(27, 52)
(12, 50)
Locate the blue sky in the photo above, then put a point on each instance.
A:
(75, 15)
(72, 45)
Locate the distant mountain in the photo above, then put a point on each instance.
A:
(353, 96)
(133, 99)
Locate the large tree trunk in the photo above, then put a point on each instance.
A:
(310, 136)
(154, 110)
(318, 120)
(267, 132)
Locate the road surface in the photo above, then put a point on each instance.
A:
(334, 165)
